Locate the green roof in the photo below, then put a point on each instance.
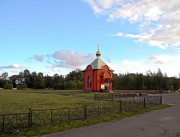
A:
(98, 64)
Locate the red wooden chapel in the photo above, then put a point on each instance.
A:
(97, 75)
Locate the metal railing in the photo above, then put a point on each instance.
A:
(115, 96)
(10, 123)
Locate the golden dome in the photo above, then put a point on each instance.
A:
(98, 53)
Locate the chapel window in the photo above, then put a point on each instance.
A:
(89, 81)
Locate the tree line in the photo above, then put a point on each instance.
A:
(26, 79)
(150, 81)
(74, 81)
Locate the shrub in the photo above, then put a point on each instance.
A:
(58, 86)
(21, 86)
(8, 86)
(2, 83)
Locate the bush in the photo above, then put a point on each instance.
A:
(71, 85)
(58, 86)
(8, 86)
(21, 86)
(2, 83)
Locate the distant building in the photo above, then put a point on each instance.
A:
(97, 75)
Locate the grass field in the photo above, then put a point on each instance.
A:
(17, 101)
(77, 124)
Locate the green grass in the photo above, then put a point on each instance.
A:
(16, 101)
(78, 124)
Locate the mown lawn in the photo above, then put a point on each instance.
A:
(16, 101)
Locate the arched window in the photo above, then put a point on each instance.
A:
(89, 81)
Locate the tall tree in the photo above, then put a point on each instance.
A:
(4, 76)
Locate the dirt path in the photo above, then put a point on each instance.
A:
(160, 123)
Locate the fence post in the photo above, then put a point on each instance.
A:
(112, 97)
(51, 117)
(133, 96)
(137, 107)
(129, 105)
(98, 111)
(3, 123)
(30, 118)
(160, 100)
(120, 106)
(69, 112)
(85, 111)
(144, 102)
(110, 108)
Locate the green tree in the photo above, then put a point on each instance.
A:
(71, 85)
(75, 75)
(21, 86)
(8, 86)
(79, 84)
(48, 81)
(27, 78)
(58, 82)
(139, 81)
(38, 81)
(116, 82)
(4, 76)
(14, 80)
(2, 83)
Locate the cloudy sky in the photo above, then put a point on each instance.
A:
(58, 36)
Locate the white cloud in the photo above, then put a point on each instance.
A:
(164, 59)
(163, 36)
(12, 69)
(67, 59)
(95, 6)
(167, 64)
(135, 11)
(108, 59)
(39, 58)
(52, 70)
(158, 20)
(70, 59)
(13, 66)
(100, 6)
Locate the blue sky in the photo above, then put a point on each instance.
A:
(58, 36)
